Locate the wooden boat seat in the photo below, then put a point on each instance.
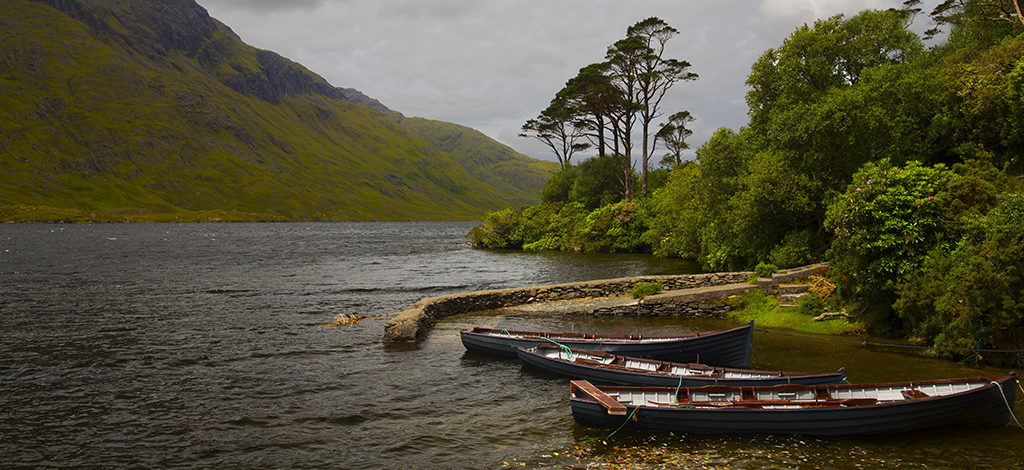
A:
(914, 394)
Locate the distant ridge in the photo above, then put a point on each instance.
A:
(115, 110)
(516, 176)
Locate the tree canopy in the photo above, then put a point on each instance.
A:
(899, 165)
(613, 98)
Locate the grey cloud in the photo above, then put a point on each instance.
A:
(492, 64)
(267, 6)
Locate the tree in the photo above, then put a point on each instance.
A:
(724, 163)
(962, 11)
(656, 75)
(591, 95)
(598, 182)
(833, 97)
(559, 129)
(673, 135)
(624, 58)
(560, 184)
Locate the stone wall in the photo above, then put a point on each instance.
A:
(686, 294)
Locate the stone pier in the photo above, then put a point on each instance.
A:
(685, 294)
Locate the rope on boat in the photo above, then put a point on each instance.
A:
(1008, 406)
(620, 426)
(565, 349)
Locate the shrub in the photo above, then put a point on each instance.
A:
(765, 270)
(973, 297)
(615, 228)
(643, 289)
(811, 304)
(497, 231)
(885, 225)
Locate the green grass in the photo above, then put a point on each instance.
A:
(765, 311)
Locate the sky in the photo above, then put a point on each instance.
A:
(494, 64)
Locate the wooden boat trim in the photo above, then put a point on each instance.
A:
(609, 403)
(898, 392)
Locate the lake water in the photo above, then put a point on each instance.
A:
(203, 346)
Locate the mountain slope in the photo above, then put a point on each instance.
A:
(514, 175)
(118, 109)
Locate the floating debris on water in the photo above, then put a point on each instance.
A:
(345, 319)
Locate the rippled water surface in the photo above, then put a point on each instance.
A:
(202, 346)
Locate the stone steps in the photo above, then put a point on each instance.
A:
(789, 294)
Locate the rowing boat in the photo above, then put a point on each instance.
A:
(725, 348)
(611, 369)
(820, 410)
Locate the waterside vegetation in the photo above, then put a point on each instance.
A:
(899, 165)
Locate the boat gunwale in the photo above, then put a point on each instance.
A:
(988, 382)
(609, 337)
(714, 372)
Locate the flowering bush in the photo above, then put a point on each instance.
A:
(885, 225)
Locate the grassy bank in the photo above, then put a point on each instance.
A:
(767, 313)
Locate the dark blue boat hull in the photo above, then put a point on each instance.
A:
(989, 406)
(724, 348)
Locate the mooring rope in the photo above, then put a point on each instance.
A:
(565, 349)
(1008, 407)
(620, 426)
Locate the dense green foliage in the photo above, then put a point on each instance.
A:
(970, 296)
(884, 227)
(899, 166)
(614, 228)
(128, 110)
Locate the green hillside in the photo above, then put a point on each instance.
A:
(127, 110)
(514, 175)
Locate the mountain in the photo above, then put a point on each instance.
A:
(152, 110)
(516, 176)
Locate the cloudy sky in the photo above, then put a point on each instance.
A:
(493, 64)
